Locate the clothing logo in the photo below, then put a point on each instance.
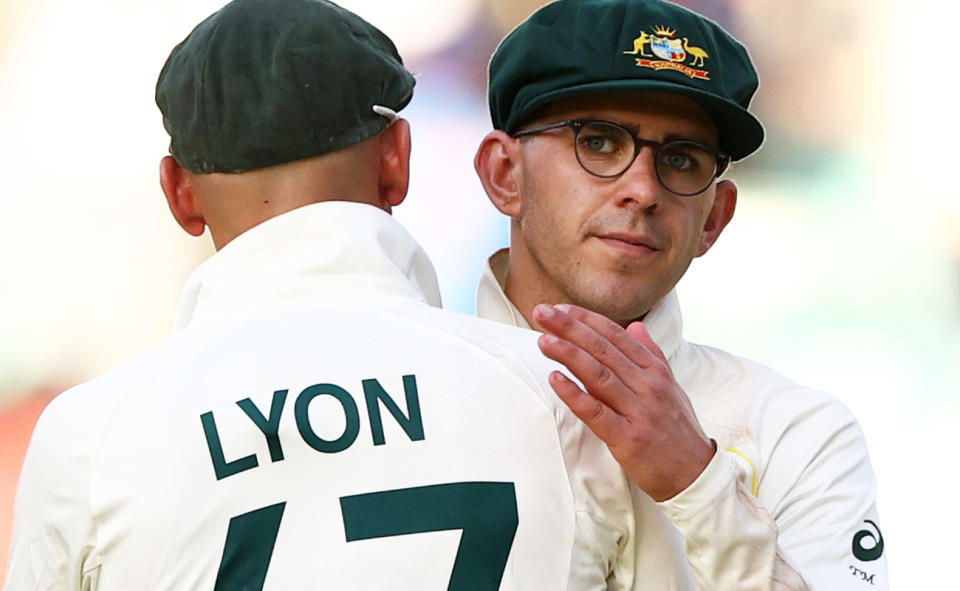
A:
(665, 46)
(871, 552)
(673, 53)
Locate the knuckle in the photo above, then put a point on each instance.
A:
(603, 377)
(635, 439)
(660, 377)
(606, 352)
(609, 327)
(594, 412)
(656, 384)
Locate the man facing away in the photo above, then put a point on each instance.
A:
(316, 422)
(607, 161)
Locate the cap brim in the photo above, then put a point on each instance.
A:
(740, 133)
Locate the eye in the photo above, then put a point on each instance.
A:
(687, 158)
(598, 143)
(678, 160)
(602, 141)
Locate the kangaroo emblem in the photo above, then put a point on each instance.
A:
(638, 44)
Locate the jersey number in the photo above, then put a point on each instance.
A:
(485, 511)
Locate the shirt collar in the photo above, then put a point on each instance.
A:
(492, 301)
(334, 250)
(663, 321)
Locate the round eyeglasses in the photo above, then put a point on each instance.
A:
(607, 150)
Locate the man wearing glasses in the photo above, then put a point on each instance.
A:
(613, 121)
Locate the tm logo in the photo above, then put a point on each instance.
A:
(872, 552)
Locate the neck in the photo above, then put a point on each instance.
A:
(234, 203)
(526, 287)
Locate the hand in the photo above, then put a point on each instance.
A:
(632, 402)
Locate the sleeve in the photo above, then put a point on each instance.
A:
(731, 541)
(52, 535)
(824, 501)
(809, 523)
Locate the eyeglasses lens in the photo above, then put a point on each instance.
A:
(607, 150)
(604, 149)
(686, 168)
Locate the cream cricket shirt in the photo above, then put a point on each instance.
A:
(791, 487)
(317, 423)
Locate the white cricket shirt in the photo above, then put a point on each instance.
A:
(790, 490)
(317, 423)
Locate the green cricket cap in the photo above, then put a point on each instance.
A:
(583, 47)
(265, 82)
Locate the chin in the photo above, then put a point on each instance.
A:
(626, 315)
(618, 303)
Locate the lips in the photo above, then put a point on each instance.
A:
(628, 240)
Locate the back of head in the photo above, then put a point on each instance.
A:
(585, 47)
(267, 82)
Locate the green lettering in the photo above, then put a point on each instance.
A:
(412, 425)
(349, 410)
(249, 548)
(221, 467)
(271, 427)
(485, 511)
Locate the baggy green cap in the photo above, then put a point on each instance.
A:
(265, 82)
(582, 47)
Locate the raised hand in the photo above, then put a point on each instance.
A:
(631, 401)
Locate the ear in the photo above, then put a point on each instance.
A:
(498, 164)
(394, 164)
(178, 187)
(720, 215)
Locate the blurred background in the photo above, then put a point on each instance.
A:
(841, 268)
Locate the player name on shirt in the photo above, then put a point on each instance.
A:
(373, 396)
(486, 512)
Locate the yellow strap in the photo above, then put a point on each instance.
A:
(756, 479)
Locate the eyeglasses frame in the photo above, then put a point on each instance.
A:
(722, 159)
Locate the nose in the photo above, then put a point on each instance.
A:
(639, 186)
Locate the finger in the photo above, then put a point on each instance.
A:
(634, 376)
(638, 330)
(636, 350)
(596, 377)
(557, 321)
(600, 418)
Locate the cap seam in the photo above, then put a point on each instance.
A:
(295, 74)
(204, 163)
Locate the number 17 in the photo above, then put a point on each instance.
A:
(485, 511)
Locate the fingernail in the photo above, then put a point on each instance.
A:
(546, 310)
(549, 338)
(565, 308)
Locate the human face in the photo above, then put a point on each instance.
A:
(613, 245)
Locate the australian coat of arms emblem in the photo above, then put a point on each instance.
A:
(664, 50)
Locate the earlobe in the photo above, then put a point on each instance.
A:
(181, 199)
(720, 215)
(395, 149)
(497, 164)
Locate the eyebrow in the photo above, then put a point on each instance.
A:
(670, 137)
